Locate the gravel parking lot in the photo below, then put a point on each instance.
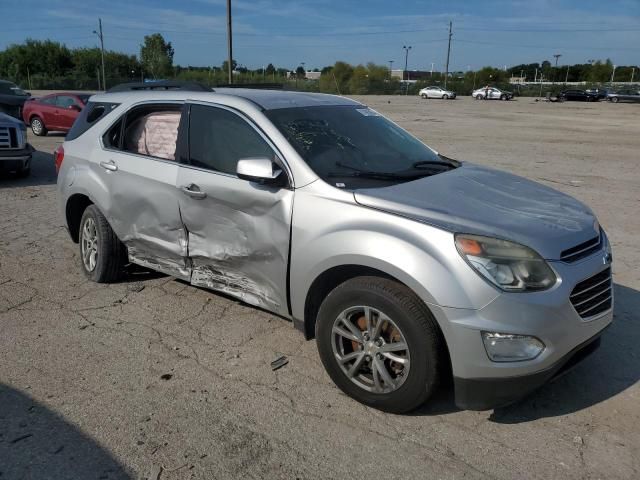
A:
(152, 378)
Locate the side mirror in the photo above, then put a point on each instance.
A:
(74, 107)
(260, 170)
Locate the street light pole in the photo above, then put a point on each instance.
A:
(557, 55)
(613, 73)
(229, 42)
(446, 73)
(390, 68)
(633, 72)
(101, 37)
(406, 63)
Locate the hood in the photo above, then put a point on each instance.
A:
(9, 121)
(482, 201)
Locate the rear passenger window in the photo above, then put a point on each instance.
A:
(152, 131)
(89, 117)
(219, 138)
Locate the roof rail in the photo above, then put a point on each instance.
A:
(160, 85)
(260, 86)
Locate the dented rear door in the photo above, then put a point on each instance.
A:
(238, 231)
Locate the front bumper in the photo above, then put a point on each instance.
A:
(488, 393)
(549, 316)
(15, 160)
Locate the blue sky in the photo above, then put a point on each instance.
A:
(319, 32)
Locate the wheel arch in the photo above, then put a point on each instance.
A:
(74, 208)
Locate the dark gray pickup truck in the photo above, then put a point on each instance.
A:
(12, 99)
(15, 152)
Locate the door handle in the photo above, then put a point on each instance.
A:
(110, 165)
(193, 191)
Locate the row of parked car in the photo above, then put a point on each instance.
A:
(493, 93)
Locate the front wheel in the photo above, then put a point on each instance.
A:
(380, 344)
(37, 127)
(479, 96)
(445, 97)
(424, 96)
(503, 97)
(615, 99)
(101, 252)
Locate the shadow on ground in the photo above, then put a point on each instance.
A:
(35, 442)
(43, 172)
(610, 370)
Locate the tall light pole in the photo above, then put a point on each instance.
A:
(446, 72)
(613, 73)
(390, 68)
(432, 64)
(406, 63)
(229, 42)
(633, 72)
(557, 56)
(101, 37)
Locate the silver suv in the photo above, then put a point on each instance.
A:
(405, 265)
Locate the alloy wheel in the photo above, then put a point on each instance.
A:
(89, 245)
(370, 349)
(36, 126)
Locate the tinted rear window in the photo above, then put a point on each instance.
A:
(88, 117)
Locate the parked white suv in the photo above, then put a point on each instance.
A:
(404, 264)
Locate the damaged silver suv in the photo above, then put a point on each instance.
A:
(405, 265)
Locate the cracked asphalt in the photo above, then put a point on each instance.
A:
(151, 378)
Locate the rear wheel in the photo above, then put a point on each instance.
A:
(101, 252)
(424, 95)
(380, 344)
(479, 96)
(37, 126)
(615, 99)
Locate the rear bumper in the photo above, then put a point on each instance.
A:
(488, 393)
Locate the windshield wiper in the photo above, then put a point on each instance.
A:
(424, 163)
(379, 175)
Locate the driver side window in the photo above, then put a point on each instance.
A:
(219, 138)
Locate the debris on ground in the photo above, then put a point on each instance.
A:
(279, 362)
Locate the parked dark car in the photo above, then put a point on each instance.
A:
(57, 111)
(601, 93)
(15, 152)
(12, 99)
(627, 95)
(577, 96)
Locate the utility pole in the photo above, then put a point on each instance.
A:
(229, 42)
(446, 72)
(406, 62)
(557, 56)
(566, 77)
(101, 37)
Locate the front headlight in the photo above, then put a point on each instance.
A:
(508, 265)
(22, 137)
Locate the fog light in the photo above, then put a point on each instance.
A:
(503, 347)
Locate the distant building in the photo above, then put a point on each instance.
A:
(411, 75)
(308, 75)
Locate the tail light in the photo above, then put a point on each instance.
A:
(58, 157)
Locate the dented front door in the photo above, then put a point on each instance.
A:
(237, 231)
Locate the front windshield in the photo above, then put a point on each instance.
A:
(356, 147)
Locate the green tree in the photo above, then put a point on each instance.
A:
(337, 79)
(270, 69)
(156, 56)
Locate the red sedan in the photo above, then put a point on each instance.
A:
(56, 111)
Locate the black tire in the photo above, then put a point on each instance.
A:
(424, 96)
(445, 97)
(37, 126)
(615, 99)
(503, 97)
(109, 262)
(479, 96)
(417, 326)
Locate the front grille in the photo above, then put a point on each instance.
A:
(593, 295)
(583, 250)
(8, 137)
